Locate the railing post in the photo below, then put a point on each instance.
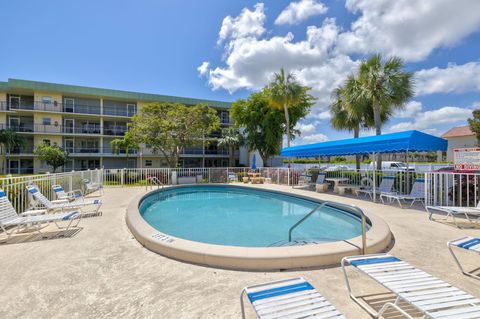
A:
(122, 177)
(288, 176)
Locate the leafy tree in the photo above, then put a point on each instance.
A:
(263, 126)
(475, 124)
(170, 127)
(52, 155)
(231, 139)
(384, 86)
(126, 143)
(284, 92)
(9, 139)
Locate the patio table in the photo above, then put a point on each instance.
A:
(336, 181)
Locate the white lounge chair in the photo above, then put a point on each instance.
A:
(31, 219)
(431, 296)
(37, 198)
(417, 194)
(386, 186)
(453, 211)
(320, 184)
(70, 196)
(467, 243)
(92, 187)
(304, 180)
(288, 298)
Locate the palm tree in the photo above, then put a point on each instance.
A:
(9, 139)
(231, 139)
(385, 86)
(285, 91)
(127, 143)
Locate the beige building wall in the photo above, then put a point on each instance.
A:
(460, 142)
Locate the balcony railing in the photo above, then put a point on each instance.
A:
(115, 130)
(21, 150)
(66, 108)
(62, 129)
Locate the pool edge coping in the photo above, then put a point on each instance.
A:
(254, 258)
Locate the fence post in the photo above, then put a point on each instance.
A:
(70, 182)
(122, 177)
(288, 176)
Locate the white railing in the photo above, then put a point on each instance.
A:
(16, 186)
(421, 168)
(452, 189)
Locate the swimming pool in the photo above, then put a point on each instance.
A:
(234, 216)
(246, 227)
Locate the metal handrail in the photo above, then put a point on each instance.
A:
(157, 182)
(356, 208)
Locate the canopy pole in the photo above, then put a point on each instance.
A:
(374, 178)
(407, 171)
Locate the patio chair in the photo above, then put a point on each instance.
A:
(417, 194)
(36, 199)
(320, 185)
(31, 219)
(288, 298)
(386, 186)
(467, 243)
(304, 180)
(232, 177)
(92, 187)
(455, 211)
(70, 196)
(429, 295)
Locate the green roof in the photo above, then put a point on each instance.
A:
(105, 93)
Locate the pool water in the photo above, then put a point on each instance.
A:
(236, 216)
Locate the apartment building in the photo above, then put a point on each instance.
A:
(84, 120)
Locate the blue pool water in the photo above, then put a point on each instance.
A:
(236, 216)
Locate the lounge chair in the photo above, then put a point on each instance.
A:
(63, 195)
(470, 244)
(453, 211)
(232, 177)
(37, 198)
(431, 296)
(417, 194)
(386, 186)
(92, 187)
(320, 184)
(304, 180)
(30, 219)
(288, 298)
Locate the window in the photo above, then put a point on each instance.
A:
(47, 121)
(148, 163)
(46, 99)
(46, 142)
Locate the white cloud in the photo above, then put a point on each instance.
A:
(325, 115)
(412, 108)
(428, 120)
(203, 68)
(312, 138)
(305, 129)
(452, 79)
(297, 12)
(410, 29)
(247, 24)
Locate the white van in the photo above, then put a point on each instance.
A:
(392, 166)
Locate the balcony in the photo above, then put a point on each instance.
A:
(118, 130)
(66, 108)
(21, 150)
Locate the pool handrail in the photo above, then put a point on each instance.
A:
(156, 181)
(356, 208)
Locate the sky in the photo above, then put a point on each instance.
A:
(225, 50)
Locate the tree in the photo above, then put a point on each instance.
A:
(263, 126)
(126, 143)
(475, 124)
(170, 127)
(283, 93)
(9, 139)
(52, 155)
(231, 139)
(385, 86)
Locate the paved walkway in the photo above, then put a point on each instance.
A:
(102, 272)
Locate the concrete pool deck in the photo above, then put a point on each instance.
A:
(101, 271)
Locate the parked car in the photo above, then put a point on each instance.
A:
(393, 166)
(337, 168)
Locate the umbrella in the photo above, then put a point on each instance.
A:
(254, 161)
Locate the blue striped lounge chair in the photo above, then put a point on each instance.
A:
(30, 220)
(466, 243)
(62, 194)
(417, 194)
(429, 295)
(386, 186)
(37, 199)
(288, 298)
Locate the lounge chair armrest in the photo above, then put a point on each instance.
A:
(33, 212)
(76, 193)
(60, 201)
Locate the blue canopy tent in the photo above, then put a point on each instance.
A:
(408, 141)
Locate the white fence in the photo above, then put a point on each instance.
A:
(452, 189)
(416, 167)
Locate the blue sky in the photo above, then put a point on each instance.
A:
(226, 49)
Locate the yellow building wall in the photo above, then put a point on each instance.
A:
(156, 162)
(55, 120)
(3, 97)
